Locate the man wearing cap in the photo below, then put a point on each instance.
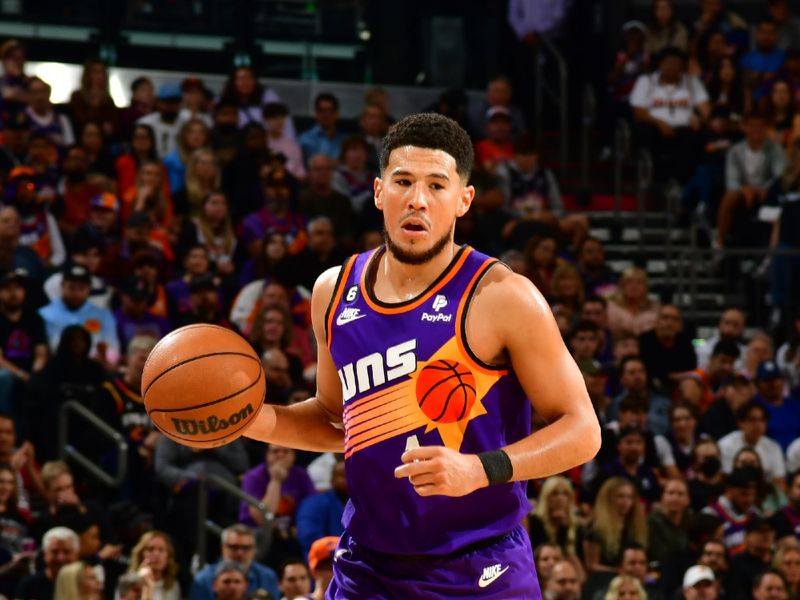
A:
(133, 317)
(498, 94)
(783, 425)
(320, 561)
(595, 378)
(720, 418)
(204, 305)
(496, 147)
(230, 581)
(164, 121)
(759, 539)
(275, 215)
(86, 250)
(736, 507)
(699, 583)
(12, 254)
(23, 342)
(238, 544)
(751, 419)
(74, 308)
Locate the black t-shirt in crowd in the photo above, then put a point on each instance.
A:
(661, 361)
(35, 587)
(18, 340)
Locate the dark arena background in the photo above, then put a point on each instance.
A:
(171, 162)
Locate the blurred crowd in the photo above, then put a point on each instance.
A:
(120, 224)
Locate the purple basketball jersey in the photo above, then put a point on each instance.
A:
(380, 351)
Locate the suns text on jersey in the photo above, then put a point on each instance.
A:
(377, 368)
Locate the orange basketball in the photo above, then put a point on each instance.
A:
(446, 391)
(202, 385)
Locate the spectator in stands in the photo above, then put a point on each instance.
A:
(38, 228)
(666, 351)
(710, 379)
(563, 582)
(192, 136)
(498, 95)
(618, 519)
(14, 151)
(324, 137)
(786, 520)
(195, 265)
(706, 477)
(16, 520)
(141, 148)
(788, 26)
(148, 197)
(667, 525)
(275, 116)
(626, 587)
(87, 249)
(541, 258)
(630, 464)
(598, 278)
(320, 515)
(243, 91)
(766, 59)
(669, 107)
(595, 308)
(230, 581)
(204, 304)
(373, 124)
(320, 561)
(12, 83)
(778, 107)
(143, 102)
(595, 378)
(496, 147)
(248, 166)
(783, 424)
(566, 287)
(353, 177)
(212, 229)
(759, 349)
(631, 308)
(320, 198)
(196, 101)
(665, 30)
(731, 326)
(60, 548)
(545, 557)
(165, 121)
(752, 166)
(759, 539)
(534, 198)
(728, 98)
(294, 579)
(769, 497)
(12, 254)
(736, 507)
(78, 581)
(585, 341)
(720, 418)
(44, 118)
(633, 378)
(487, 216)
(23, 342)
(555, 521)
(751, 418)
(785, 271)
(75, 199)
(153, 558)
(787, 561)
(92, 101)
(788, 355)
(699, 583)
(239, 545)
(101, 165)
(273, 330)
(133, 318)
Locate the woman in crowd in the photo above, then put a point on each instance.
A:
(566, 287)
(788, 356)
(203, 176)
(153, 558)
(667, 524)
(769, 497)
(213, 229)
(683, 433)
(93, 140)
(270, 262)
(555, 520)
(759, 349)
(726, 89)
(92, 101)
(141, 148)
(706, 480)
(631, 308)
(15, 521)
(192, 136)
(78, 581)
(787, 561)
(665, 30)
(273, 329)
(778, 108)
(618, 519)
(625, 587)
(541, 258)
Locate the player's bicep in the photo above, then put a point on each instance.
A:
(541, 361)
(329, 388)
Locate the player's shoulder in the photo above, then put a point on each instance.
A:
(500, 288)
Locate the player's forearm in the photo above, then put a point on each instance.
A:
(570, 441)
(303, 426)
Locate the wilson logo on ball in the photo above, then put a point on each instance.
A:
(211, 423)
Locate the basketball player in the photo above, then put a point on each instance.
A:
(428, 354)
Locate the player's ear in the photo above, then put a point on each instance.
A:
(465, 200)
(377, 186)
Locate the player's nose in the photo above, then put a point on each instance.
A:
(418, 199)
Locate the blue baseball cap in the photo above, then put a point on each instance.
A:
(768, 370)
(169, 91)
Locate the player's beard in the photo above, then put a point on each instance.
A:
(417, 258)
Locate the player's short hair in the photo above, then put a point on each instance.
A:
(433, 131)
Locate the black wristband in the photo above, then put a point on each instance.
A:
(497, 465)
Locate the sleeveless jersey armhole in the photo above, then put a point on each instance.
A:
(338, 288)
(463, 310)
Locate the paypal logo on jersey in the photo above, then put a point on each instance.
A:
(439, 302)
(376, 369)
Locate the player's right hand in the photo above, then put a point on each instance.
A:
(439, 471)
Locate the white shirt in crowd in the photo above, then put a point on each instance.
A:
(671, 103)
(166, 133)
(767, 449)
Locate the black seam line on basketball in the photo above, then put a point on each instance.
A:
(212, 403)
(396, 430)
(194, 358)
(434, 386)
(463, 388)
(373, 262)
(463, 333)
(336, 287)
(206, 440)
(444, 367)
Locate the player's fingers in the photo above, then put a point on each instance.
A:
(422, 453)
(427, 490)
(425, 479)
(411, 469)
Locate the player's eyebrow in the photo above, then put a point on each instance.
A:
(403, 172)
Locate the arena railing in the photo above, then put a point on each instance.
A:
(68, 452)
(588, 116)
(558, 94)
(622, 150)
(205, 525)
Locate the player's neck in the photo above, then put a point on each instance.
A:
(408, 281)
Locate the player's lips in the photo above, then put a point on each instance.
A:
(414, 226)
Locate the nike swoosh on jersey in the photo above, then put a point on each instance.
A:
(347, 319)
(483, 582)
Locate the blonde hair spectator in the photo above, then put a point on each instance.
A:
(631, 307)
(625, 587)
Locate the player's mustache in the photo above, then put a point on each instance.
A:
(416, 215)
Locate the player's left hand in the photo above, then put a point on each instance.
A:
(439, 471)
